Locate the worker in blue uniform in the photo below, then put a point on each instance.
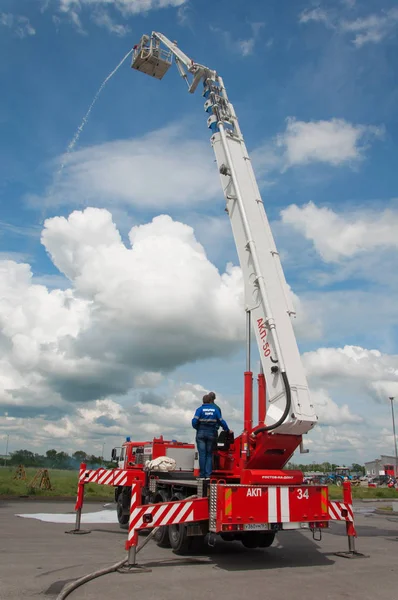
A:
(207, 419)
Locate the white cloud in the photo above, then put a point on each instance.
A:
(372, 28)
(341, 443)
(334, 142)
(103, 19)
(340, 236)
(307, 325)
(20, 25)
(126, 7)
(183, 14)
(140, 415)
(160, 169)
(244, 47)
(317, 14)
(330, 413)
(366, 370)
(349, 3)
(73, 9)
(166, 169)
(129, 316)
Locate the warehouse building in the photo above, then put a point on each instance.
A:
(385, 465)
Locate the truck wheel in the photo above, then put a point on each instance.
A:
(256, 539)
(251, 540)
(161, 537)
(339, 481)
(266, 539)
(123, 519)
(179, 540)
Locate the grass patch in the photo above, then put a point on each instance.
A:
(363, 493)
(64, 483)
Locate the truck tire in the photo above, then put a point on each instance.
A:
(179, 540)
(161, 537)
(339, 481)
(266, 539)
(257, 539)
(123, 519)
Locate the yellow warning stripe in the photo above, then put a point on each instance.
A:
(324, 501)
(228, 501)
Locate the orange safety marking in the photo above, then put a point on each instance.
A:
(228, 501)
(324, 501)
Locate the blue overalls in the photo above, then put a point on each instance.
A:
(207, 419)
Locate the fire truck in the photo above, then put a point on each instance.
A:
(250, 496)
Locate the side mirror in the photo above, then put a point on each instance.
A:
(114, 455)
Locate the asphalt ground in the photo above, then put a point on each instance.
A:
(37, 559)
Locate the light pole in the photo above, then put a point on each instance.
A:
(102, 455)
(395, 437)
(5, 460)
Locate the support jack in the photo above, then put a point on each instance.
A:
(77, 530)
(351, 552)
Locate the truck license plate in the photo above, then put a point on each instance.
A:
(255, 526)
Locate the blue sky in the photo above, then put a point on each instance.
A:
(314, 86)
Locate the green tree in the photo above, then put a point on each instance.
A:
(357, 468)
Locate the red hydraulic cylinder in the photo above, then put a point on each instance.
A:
(261, 399)
(248, 408)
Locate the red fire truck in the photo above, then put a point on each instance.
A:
(250, 496)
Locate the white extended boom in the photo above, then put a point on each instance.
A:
(268, 299)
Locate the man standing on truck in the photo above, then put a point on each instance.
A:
(206, 420)
(212, 397)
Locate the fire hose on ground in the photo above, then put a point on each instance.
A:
(105, 571)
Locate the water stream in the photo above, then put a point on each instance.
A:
(82, 125)
(76, 137)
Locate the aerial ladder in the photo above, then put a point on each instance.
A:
(268, 299)
(250, 496)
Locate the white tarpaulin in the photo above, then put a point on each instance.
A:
(102, 516)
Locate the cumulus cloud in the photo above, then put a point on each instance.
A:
(329, 412)
(141, 415)
(336, 236)
(19, 24)
(343, 441)
(130, 315)
(366, 370)
(334, 142)
(135, 172)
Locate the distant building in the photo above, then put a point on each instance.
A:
(385, 465)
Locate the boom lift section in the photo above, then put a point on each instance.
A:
(267, 296)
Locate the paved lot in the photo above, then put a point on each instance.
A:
(37, 559)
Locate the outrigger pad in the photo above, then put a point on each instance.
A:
(78, 531)
(351, 554)
(133, 569)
